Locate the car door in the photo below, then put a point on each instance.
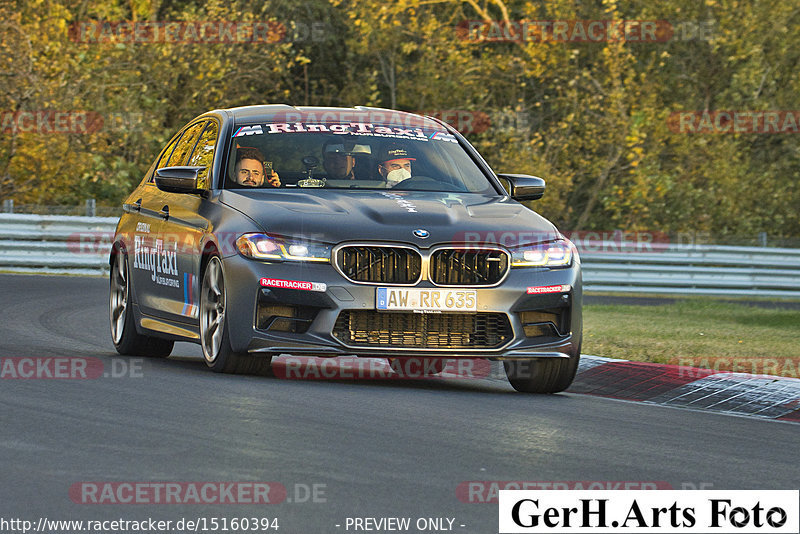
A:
(184, 224)
(145, 259)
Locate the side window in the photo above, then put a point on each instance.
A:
(162, 160)
(203, 155)
(185, 145)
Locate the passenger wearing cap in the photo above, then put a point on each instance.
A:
(395, 165)
(249, 170)
(337, 161)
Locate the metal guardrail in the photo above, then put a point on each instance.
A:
(695, 269)
(80, 245)
(55, 244)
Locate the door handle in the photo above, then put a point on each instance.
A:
(130, 208)
(164, 212)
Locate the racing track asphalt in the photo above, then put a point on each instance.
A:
(377, 448)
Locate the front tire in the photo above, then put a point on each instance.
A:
(546, 375)
(214, 331)
(127, 340)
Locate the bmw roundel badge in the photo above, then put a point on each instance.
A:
(420, 233)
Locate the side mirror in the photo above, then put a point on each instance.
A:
(178, 179)
(523, 186)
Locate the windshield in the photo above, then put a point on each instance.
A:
(312, 152)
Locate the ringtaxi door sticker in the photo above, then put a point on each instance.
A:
(642, 511)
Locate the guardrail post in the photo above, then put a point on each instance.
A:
(8, 205)
(91, 207)
(762, 239)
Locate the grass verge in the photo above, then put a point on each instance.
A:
(710, 334)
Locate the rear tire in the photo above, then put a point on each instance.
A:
(546, 375)
(127, 340)
(214, 331)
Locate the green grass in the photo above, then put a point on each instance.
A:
(701, 333)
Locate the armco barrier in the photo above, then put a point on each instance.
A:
(694, 269)
(55, 244)
(80, 245)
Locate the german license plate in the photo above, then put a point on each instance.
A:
(396, 298)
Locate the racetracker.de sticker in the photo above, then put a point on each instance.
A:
(293, 284)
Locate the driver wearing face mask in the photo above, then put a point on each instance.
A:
(395, 165)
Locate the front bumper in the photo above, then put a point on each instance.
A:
(303, 322)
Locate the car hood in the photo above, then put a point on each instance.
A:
(335, 216)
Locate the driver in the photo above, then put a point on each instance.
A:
(338, 162)
(249, 170)
(395, 165)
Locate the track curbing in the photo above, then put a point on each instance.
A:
(764, 396)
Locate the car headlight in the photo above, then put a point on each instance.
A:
(266, 247)
(552, 254)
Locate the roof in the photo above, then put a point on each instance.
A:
(286, 113)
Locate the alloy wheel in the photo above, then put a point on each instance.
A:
(212, 309)
(118, 297)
